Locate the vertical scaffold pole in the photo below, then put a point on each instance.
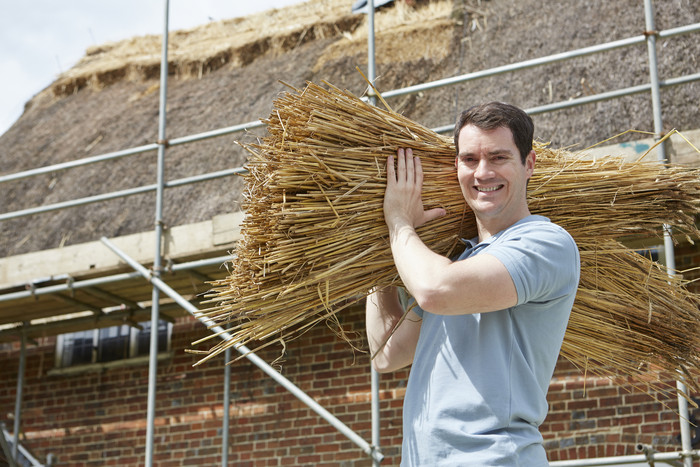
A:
(669, 251)
(374, 375)
(227, 407)
(18, 396)
(162, 143)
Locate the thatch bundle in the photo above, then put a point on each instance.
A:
(314, 239)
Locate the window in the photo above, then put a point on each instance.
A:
(109, 344)
(77, 348)
(652, 254)
(113, 343)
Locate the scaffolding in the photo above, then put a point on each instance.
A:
(24, 332)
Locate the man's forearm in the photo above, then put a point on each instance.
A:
(420, 268)
(392, 339)
(383, 312)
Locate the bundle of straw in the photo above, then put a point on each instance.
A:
(314, 239)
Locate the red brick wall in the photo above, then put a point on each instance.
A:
(100, 418)
(688, 260)
(593, 417)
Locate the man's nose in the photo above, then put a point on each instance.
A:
(483, 169)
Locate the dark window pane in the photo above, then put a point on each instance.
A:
(652, 254)
(114, 343)
(77, 348)
(144, 338)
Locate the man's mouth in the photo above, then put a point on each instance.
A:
(487, 189)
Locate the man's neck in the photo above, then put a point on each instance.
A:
(488, 228)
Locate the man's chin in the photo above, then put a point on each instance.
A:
(480, 206)
(484, 212)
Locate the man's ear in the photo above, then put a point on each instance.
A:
(530, 163)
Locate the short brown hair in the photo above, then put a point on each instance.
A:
(494, 115)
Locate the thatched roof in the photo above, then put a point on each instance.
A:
(228, 72)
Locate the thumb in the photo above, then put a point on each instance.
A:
(432, 214)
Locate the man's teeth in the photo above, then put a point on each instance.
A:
(482, 188)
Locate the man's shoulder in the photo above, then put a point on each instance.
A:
(538, 235)
(537, 224)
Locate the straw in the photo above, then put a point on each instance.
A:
(314, 240)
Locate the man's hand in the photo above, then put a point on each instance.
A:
(403, 203)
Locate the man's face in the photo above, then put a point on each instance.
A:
(492, 176)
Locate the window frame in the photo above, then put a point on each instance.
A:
(133, 353)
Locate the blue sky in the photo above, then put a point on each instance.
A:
(39, 39)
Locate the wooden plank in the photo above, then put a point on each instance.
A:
(95, 259)
(131, 292)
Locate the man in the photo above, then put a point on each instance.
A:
(487, 329)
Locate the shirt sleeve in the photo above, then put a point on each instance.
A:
(542, 260)
(409, 303)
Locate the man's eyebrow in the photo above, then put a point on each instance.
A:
(500, 151)
(493, 152)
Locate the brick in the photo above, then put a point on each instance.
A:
(588, 417)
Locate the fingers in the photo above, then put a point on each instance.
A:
(406, 167)
(401, 165)
(407, 171)
(403, 204)
(417, 171)
(390, 172)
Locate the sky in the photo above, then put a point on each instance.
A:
(40, 39)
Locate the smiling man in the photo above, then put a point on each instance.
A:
(486, 329)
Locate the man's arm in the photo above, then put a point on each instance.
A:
(392, 347)
(475, 285)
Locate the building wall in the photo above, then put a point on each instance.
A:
(99, 418)
(592, 417)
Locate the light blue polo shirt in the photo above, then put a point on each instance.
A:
(477, 389)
